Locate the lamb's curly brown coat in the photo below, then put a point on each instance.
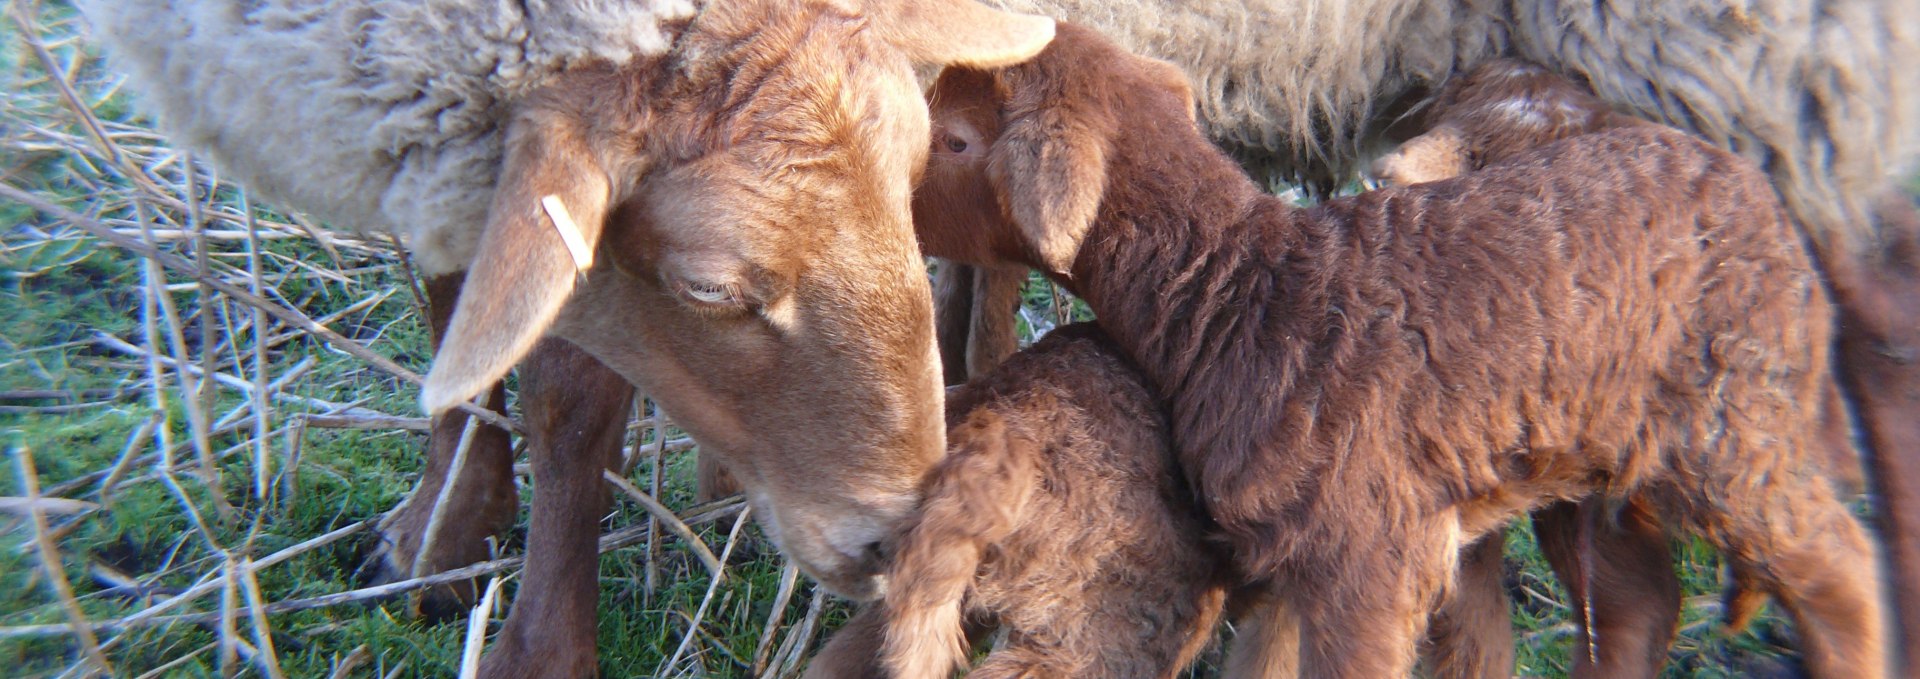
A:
(1360, 388)
(1618, 572)
(1059, 515)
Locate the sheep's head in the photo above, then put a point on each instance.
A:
(1019, 160)
(1496, 111)
(728, 227)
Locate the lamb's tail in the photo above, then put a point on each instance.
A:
(976, 498)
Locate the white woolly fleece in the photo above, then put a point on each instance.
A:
(1822, 93)
(373, 115)
(384, 114)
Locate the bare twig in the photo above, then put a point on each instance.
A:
(797, 643)
(44, 505)
(660, 513)
(267, 659)
(345, 666)
(789, 576)
(50, 562)
(477, 631)
(713, 585)
(609, 542)
(368, 422)
(262, 461)
(285, 315)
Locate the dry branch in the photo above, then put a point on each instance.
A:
(286, 315)
(611, 541)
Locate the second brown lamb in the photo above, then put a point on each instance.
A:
(1358, 389)
(1616, 562)
(1059, 518)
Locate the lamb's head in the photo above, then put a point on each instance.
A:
(1498, 110)
(728, 227)
(1020, 154)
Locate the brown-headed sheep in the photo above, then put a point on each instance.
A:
(710, 203)
(1359, 389)
(1059, 516)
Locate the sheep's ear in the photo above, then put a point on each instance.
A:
(1049, 169)
(548, 210)
(962, 32)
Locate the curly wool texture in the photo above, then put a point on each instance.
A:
(373, 115)
(1821, 93)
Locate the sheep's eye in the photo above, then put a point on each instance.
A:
(711, 295)
(956, 144)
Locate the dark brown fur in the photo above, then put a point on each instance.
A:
(1360, 389)
(1619, 572)
(1058, 515)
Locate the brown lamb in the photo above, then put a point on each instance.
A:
(1058, 515)
(1359, 389)
(1500, 110)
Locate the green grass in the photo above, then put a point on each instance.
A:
(60, 291)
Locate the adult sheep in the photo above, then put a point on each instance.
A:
(1820, 94)
(710, 203)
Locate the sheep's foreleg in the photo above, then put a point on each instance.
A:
(1879, 363)
(1472, 633)
(1266, 638)
(1371, 626)
(482, 503)
(575, 411)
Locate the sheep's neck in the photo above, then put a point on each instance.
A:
(1196, 272)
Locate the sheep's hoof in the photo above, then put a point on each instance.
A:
(509, 658)
(390, 557)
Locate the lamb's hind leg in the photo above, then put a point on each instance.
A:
(482, 503)
(1802, 543)
(1622, 577)
(1472, 632)
(1368, 619)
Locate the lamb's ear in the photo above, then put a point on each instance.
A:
(549, 208)
(961, 32)
(1049, 169)
(1440, 153)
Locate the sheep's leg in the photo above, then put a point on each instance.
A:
(712, 481)
(1472, 632)
(483, 503)
(953, 317)
(1879, 363)
(994, 335)
(1266, 639)
(1371, 625)
(1792, 535)
(1027, 661)
(974, 310)
(575, 411)
(854, 650)
(1625, 595)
